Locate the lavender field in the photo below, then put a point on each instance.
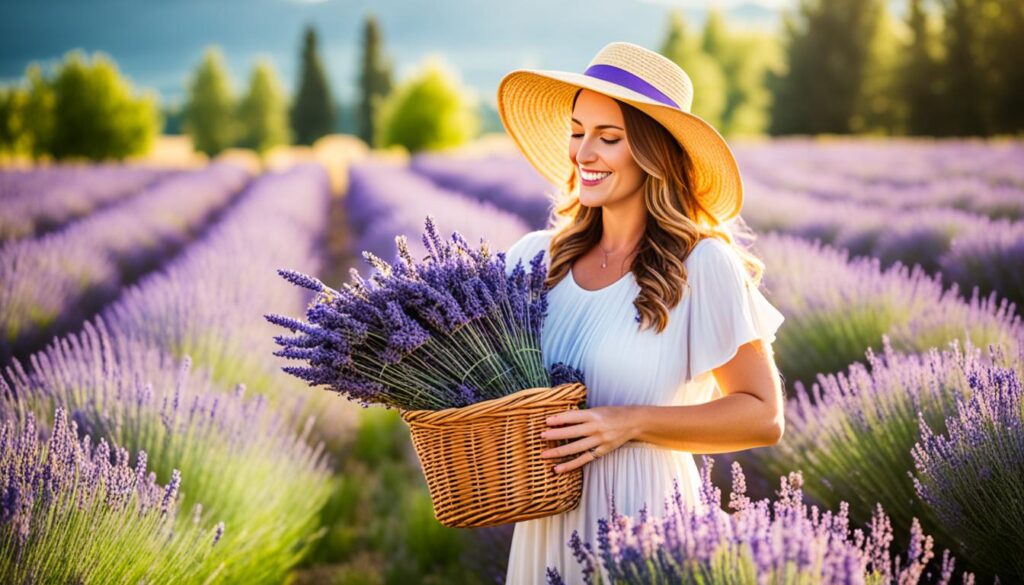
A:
(149, 434)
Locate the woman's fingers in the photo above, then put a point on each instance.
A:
(572, 448)
(570, 432)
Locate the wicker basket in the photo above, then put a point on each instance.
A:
(482, 462)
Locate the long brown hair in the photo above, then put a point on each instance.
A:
(676, 221)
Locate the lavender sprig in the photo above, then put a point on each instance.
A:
(448, 331)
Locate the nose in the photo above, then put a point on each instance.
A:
(585, 154)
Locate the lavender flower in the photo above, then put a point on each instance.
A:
(242, 459)
(85, 263)
(562, 373)
(43, 199)
(449, 331)
(970, 475)
(72, 511)
(763, 541)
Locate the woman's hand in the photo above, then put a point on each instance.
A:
(602, 427)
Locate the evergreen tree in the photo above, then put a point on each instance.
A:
(749, 99)
(209, 114)
(827, 47)
(709, 82)
(879, 108)
(921, 80)
(38, 114)
(263, 112)
(96, 115)
(1007, 65)
(964, 70)
(12, 105)
(374, 79)
(313, 113)
(427, 112)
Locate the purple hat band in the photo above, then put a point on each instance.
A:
(621, 77)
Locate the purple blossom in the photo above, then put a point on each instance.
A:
(969, 475)
(445, 332)
(697, 543)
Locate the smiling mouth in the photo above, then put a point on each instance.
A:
(591, 179)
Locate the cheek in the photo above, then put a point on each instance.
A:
(625, 163)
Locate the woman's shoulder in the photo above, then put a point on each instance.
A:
(526, 247)
(709, 251)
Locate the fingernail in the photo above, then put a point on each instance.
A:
(558, 469)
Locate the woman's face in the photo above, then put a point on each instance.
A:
(599, 144)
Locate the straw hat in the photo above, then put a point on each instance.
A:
(536, 106)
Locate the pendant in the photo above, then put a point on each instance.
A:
(604, 263)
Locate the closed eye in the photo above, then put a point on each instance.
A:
(606, 141)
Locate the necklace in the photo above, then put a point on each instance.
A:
(604, 263)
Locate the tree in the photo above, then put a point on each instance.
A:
(827, 47)
(709, 83)
(743, 59)
(964, 69)
(879, 109)
(920, 86)
(427, 112)
(96, 115)
(313, 114)
(263, 112)
(1007, 64)
(12, 104)
(38, 114)
(374, 79)
(209, 114)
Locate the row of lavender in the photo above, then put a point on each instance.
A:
(177, 478)
(387, 199)
(976, 176)
(53, 282)
(836, 307)
(42, 199)
(914, 221)
(966, 249)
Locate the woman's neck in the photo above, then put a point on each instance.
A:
(623, 225)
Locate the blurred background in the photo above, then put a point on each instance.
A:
(160, 160)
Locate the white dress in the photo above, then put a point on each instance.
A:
(596, 331)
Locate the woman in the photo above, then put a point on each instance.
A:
(648, 294)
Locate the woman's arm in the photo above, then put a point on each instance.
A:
(749, 414)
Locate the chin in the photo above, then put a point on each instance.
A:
(591, 199)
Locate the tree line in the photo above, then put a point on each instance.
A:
(945, 68)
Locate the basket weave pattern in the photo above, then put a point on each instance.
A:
(482, 462)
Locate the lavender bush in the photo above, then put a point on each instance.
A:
(239, 459)
(982, 177)
(57, 280)
(852, 433)
(41, 199)
(762, 541)
(991, 259)
(207, 303)
(836, 308)
(450, 331)
(385, 200)
(919, 236)
(972, 474)
(509, 183)
(77, 512)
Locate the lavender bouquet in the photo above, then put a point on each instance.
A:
(447, 332)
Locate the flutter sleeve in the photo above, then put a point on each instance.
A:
(726, 309)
